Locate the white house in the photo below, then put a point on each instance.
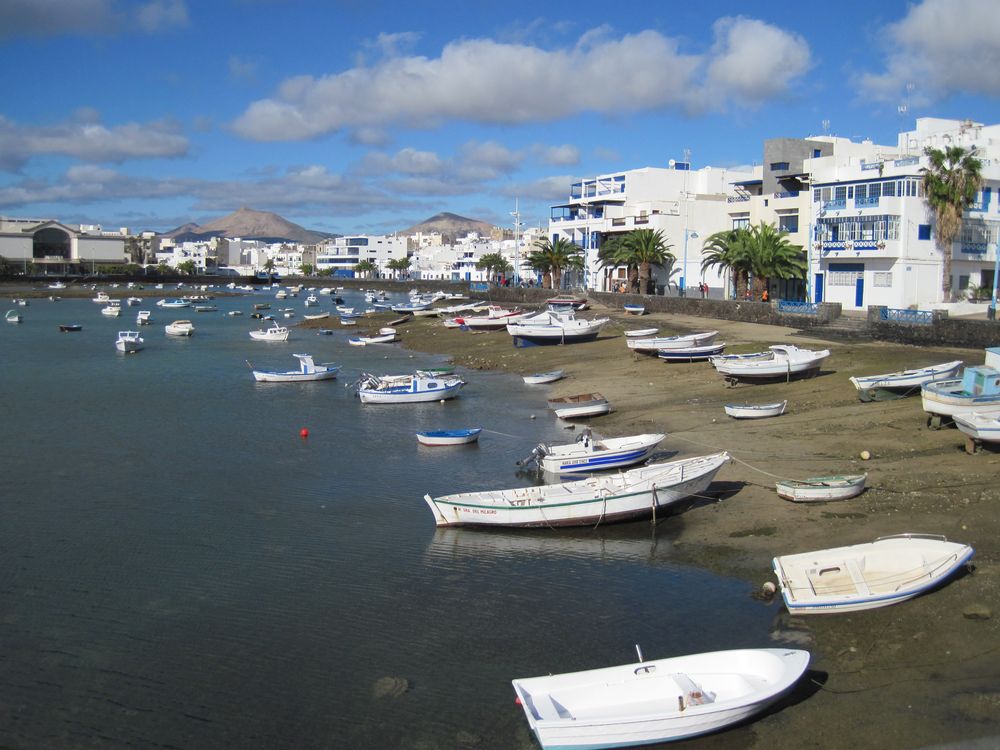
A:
(342, 254)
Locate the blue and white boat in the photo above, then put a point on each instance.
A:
(406, 389)
(980, 425)
(173, 303)
(978, 390)
(588, 454)
(308, 371)
(866, 576)
(904, 382)
(409, 307)
(449, 437)
(691, 353)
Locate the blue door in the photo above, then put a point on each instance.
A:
(819, 288)
(859, 291)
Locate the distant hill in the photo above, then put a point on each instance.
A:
(451, 225)
(248, 224)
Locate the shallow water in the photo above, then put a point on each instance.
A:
(179, 568)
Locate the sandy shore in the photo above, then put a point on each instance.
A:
(917, 674)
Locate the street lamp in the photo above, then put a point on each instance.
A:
(684, 267)
(517, 241)
(992, 312)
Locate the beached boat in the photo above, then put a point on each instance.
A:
(551, 327)
(656, 701)
(977, 390)
(128, 342)
(641, 333)
(567, 303)
(866, 576)
(540, 378)
(653, 344)
(691, 353)
(590, 454)
(755, 411)
(113, 309)
(179, 328)
(980, 425)
(412, 306)
(70, 327)
(822, 489)
(13, 316)
(274, 333)
(406, 389)
(385, 335)
(903, 383)
(779, 361)
(603, 498)
(494, 319)
(316, 316)
(580, 405)
(144, 318)
(449, 437)
(634, 309)
(308, 372)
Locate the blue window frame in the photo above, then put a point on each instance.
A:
(817, 153)
(777, 166)
(924, 232)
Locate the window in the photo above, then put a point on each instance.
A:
(816, 194)
(875, 190)
(741, 222)
(882, 278)
(817, 153)
(963, 282)
(840, 193)
(888, 188)
(789, 223)
(843, 278)
(826, 194)
(777, 166)
(924, 232)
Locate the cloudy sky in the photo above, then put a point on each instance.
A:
(368, 116)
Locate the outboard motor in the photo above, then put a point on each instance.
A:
(535, 456)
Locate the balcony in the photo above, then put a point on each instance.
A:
(869, 202)
(835, 205)
(737, 198)
(974, 248)
(786, 194)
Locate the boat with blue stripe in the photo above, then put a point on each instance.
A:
(590, 454)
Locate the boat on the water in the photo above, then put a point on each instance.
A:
(656, 701)
(654, 344)
(755, 411)
(903, 383)
(579, 405)
(980, 425)
(179, 328)
(977, 390)
(113, 309)
(550, 327)
(594, 454)
(173, 303)
(691, 353)
(406, 389)
(779, 361)
(308, 372)
(70, 327)
(144, 318)
(13, 316)
(129, 342)
(540, 378)
(822, 489)
(449, 437)
(866, 576)
(274, 333)
(602, 498)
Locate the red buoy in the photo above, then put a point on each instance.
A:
(304, 432)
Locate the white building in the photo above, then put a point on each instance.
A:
(55, 248)
(342, 254)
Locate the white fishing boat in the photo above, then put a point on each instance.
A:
(866, 576)
(579, 406)
(980, 425)
(634, 309)
(406, 389)
(102, 298)
(449, 437)
(144, 318)
(594, 454)
(540, 378)
(13, 316)
(822, 489)
(179, 328)
(641, 333)
(316, 316)
(494, 319)
(129, 342)
(308, 372)
(113, 309)
(977, 390)
(274, 333)
(412, 306)
(173, 303)
(656, 701)
(311, 301)
(550, 327)
(133, 301)
(904, 382)
(691, 353)
(567, 303)
(237, 313)
(57, 285)
(653, 344)
(755, 411)
(779, 361)
(605, 498)
(206, 308)
(20, 301)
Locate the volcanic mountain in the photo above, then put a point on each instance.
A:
(451, 225)
(248, 224)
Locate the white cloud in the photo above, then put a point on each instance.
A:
(161, 14)
(85, 17)
(486, 81)
(942, 47)
(565, 155)
(242, 68)
(87, 139)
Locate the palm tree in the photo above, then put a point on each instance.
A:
(728, 250)
(494, 264)
(399, 265)
(950, 187)
(772, 256)
(646, 248)
(365, 267)
(553, 257)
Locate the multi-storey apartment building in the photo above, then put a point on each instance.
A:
(342, 254)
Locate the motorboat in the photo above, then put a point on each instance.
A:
(579, 406)
(308, 371)
(133, 301)
(274, 333)
(867, 576)
(311, 301)
(449, 437)
(57, 285)
(652, 702)
(779, 361)
(550, 327)
(822, 489)
(206, 308)
(692, 353)
(406, 389)
(144, 318)
(173, 303)
(755, 411)
(70, 327)
(601, 498)
(980, 425)
(102, 298)
(113, 309)
(654, 344)
(129, 342)
(978, 389)
(13, 316)
(904, 382)
(566, 303)
(541, 378)
(179, 328)
(594, 454)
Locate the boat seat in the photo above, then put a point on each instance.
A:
(548, 708)
(693, 695)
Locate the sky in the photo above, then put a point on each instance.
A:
(366, 116)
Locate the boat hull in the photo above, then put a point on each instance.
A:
(596, 457)
(980, 425)
(755, 411)
(904, 382)
(448, 437)
(948, 398)
(389, 396)
(541, 378)
(265, 376)
(691, 354)
(655, 344)
(822, 489)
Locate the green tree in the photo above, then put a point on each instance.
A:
(269, 265)
(163, 269)
(553, 257)
(645, 248)
(772, 256)
(188, 267)
(307, 269)
(494, 264)
(950, 183)
(399, 265)
(364, 268)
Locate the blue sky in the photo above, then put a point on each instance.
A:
(367, 117)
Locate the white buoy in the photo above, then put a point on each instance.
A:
(865, 455)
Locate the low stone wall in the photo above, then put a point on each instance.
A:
(942, 331)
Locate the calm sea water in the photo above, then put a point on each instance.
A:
(180, 569)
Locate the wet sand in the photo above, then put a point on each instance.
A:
(917, 674)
